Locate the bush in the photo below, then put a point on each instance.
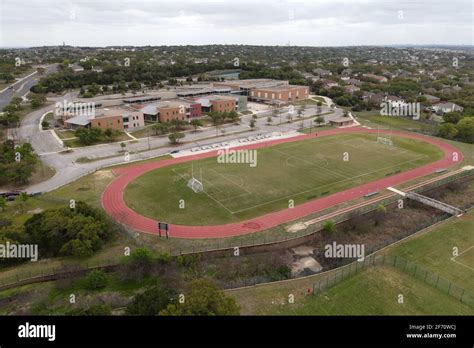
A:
(138, 265)
(78, 232)
(151, 302)
(329, 227)
(204, 298)
(96, 279)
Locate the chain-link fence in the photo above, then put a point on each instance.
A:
(32, 276)
(409, 267)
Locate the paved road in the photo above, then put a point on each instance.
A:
(22, 87)
(68, 169)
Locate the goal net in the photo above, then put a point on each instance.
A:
(195, 185)
(385, 141)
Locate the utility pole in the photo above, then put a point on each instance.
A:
(148, 133)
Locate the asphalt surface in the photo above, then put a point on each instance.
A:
(22, 87)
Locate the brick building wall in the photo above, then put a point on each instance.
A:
(105, 122)
(223, 105)
(170, 113)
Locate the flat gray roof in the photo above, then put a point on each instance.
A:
(79, 120)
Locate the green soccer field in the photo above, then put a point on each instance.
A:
(297, 171)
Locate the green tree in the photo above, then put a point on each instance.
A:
(196, 123)
(452, 117)
(234, 116)
(203, 299)
(447, 130)
(252, 124)
(79, 232)
(465, 129)
(160, 128)
(175, 137)
(319, 120)
(88, 136)
(37, 100)
(138, 265)
(152, 301)
(8, 77)
(95, 279)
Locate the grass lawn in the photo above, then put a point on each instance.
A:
(374, 286)
(375, 292)
(145, 132)
(104, 140)
(374, 119)
(315, 100)
(299, 171)
(49, 118)
(434, 250)
(65, 134)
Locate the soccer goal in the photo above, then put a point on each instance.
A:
(195, 185)
(386, 139)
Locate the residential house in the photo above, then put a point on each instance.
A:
(432, 99)
(442, 108)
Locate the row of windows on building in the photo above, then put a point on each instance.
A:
(259, 94)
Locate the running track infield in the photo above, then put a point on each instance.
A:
(114, 204)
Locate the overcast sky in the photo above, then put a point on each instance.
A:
(259, 22)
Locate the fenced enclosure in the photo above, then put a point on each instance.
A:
(409, 267)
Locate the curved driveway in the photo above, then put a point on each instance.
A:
(115, 206)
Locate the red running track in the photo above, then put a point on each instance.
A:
(115, 206)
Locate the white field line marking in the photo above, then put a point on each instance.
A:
(208, 195)
(313, 164)
(319, 187)
(370, 149)
(460, 263)
(220, 202)
(241, 185)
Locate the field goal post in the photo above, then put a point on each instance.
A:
(195, 184)
(383, 138)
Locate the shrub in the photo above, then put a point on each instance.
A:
(329, 227)
(96, 279)
(151, 301)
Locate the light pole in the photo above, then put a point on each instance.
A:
(148, 133)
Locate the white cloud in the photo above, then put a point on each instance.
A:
(263, 22)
